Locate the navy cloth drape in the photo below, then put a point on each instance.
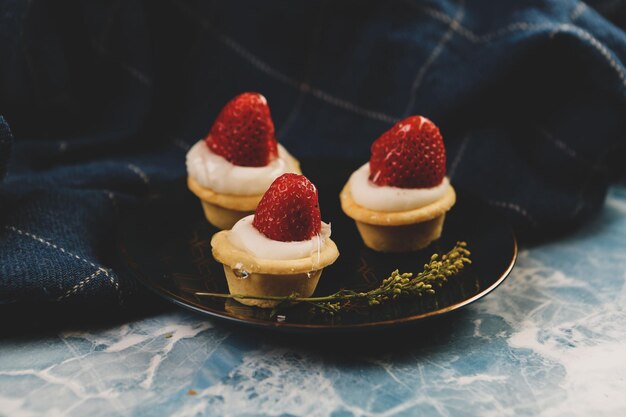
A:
(100, 101)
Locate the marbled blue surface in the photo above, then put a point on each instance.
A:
(550, 341)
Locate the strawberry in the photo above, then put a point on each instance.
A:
(409, 155)
(243, 132)
(289, 210)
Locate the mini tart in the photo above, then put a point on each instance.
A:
(269, 277)
(398, 231)
(224, 210)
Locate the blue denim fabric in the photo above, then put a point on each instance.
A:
(104, 98)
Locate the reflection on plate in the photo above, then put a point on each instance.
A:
(166, 245)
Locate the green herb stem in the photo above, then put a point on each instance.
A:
(435, 273)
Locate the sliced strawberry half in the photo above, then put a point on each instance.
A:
(243, 132)
(409, 155)
(289, 210)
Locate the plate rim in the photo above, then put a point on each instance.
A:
(276, 325)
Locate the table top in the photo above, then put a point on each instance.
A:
(551, 340)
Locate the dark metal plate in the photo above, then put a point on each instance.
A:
(166, 245)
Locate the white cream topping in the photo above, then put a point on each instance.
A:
(215, 172)
(246, 237)
(385, 198)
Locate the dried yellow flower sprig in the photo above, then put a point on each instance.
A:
(436, 272)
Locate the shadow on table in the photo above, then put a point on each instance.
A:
(39, 320)
(430, 333)
(31, 323)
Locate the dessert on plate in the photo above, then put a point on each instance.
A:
(233, 166)
(399, 199)
(279, 250)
